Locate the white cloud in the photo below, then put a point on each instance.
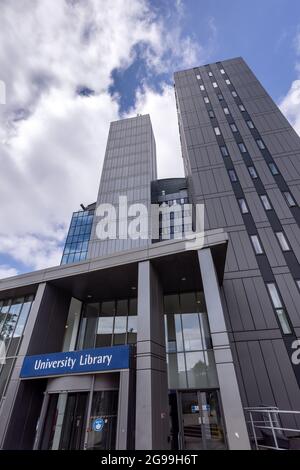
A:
(6, 271)
(290, 104)
(162, 110)
(53, 140)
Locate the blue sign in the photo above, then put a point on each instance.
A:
(76, 362)
(98, 424)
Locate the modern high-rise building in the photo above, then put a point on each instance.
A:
(156, 342)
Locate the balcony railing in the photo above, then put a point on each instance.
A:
(267, 431)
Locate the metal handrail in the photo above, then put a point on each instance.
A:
(272, 414)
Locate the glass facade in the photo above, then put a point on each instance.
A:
(188, 342)
(108, 323)
(13, 316)
(76, 246)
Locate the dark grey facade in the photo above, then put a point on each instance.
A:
(242, 160)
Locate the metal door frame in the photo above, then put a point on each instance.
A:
(198, 391)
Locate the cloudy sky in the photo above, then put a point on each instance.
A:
(72, 66)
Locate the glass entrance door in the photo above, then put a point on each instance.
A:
(73, 428)
(200, 420)
(65, 423)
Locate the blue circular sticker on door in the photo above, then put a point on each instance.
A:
(98, 424)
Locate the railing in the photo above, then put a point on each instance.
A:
(266, 429)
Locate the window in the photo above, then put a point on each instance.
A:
(202, 88)
(198, 77)
(282, 241)
(274, 169)
(289, 199)
(211, 113)
(224, 151)
(226, 111)
(222, 71)
(233, 128)
(227, 81)
(256, 245)
(242, 147)
(234, 94)
(210, 74)
(232, 176)
(277, 304)
(217, 131)
(215, 85)
(250, 124)
(260, 144)
(206, 100)
(266, 202)
(274, 295)
(242, 107)
(252, 172)
(243, 206)
(220, 97)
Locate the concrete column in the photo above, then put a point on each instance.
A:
(152, 409)
(123, 410)
(237, 435)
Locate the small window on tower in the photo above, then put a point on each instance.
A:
(243, 206)
(252, 172)
(242, 147)
(232, 176)
(260, 144)
(266, 203)
(289, 199)
(274, 169)
(224, 151)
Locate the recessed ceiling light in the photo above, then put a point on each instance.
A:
(133, 288)
(183, 278)
(89, 296)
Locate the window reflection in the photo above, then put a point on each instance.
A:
(108, 323)
(104, 331)
(188, 341)
(191, 332)
(120, 330)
